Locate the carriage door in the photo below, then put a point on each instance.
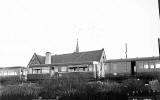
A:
(133, 67)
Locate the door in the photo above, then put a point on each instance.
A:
(133, 67)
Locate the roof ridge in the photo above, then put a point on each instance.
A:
(77, 53)
(71, 53)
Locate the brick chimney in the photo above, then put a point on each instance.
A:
(48, 58)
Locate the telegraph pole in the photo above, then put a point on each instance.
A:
(158, 38)
(159, 6)
(126, 50)
(126, 54)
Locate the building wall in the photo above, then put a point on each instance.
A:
(77, 74)
(74, 68)
(39, 70)
(38, 73)
(55, 71)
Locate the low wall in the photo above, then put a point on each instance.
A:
(36, 77)
(79, 74)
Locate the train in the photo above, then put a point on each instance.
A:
(14, 73)
(138, 67)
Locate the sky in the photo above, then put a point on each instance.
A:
(39, 26)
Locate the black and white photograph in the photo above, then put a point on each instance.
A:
(79, 49)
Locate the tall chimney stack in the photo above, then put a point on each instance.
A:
(48, 58)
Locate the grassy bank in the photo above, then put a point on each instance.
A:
(74, 88)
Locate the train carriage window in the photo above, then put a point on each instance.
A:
(24, 72)
(11, 73)
(115, 74)
(5, 73)
(152, 66)
(146, 66)
(15, 73)
(158, 65)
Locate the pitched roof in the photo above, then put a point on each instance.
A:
(41, 59)
(74, 57)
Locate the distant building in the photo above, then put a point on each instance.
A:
(15, 71)
(88, 63)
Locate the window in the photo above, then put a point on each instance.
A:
(76, 69)
(90, 68)
(146, 66)
(63, 69)
(71, 69)
(152, 66)
(36, 71)
(158, 65)
(11, 73)
(5, 73)
(56, 69)
(24, 72)
(30, 71)
(1, 73)
(45, 70)
(114, 73)
(83, 69)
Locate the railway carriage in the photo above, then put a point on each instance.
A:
(13, 73)
(132, 66)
